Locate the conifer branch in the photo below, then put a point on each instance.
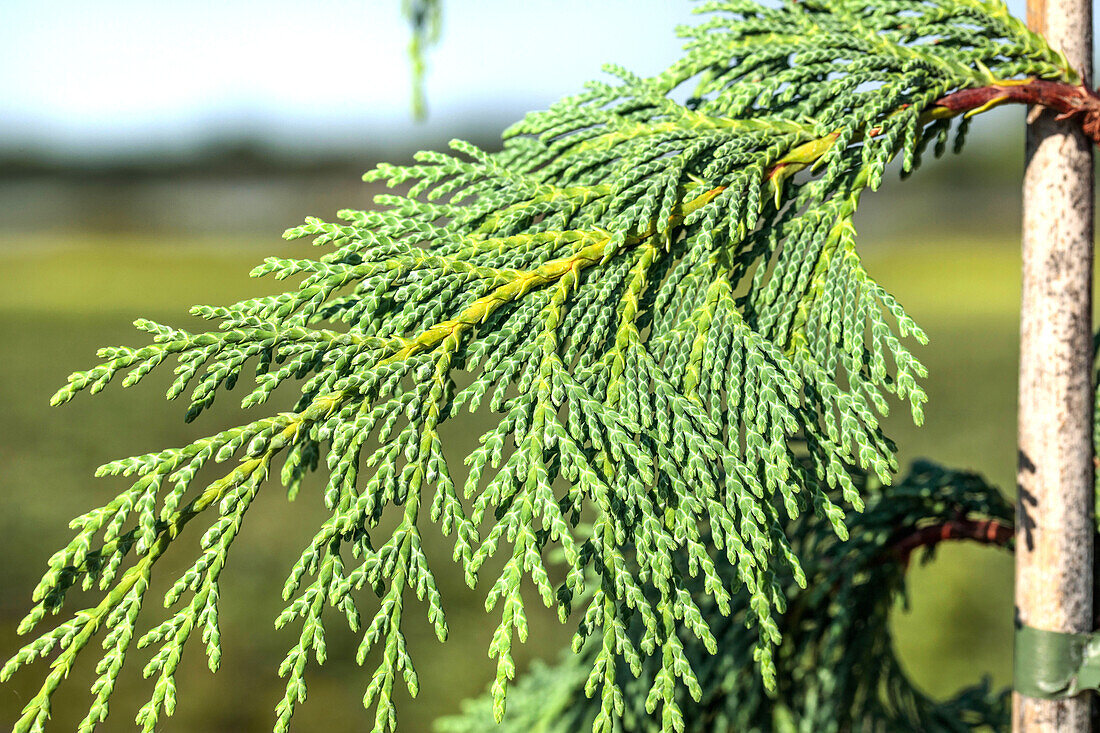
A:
(662, 307)
(837, 668)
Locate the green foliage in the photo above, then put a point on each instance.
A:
(836, 666)
(660, 302)
(426, 19)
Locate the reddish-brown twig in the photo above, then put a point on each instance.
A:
(985, 531)
(1070, 101)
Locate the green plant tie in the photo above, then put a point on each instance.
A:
(1054, 665)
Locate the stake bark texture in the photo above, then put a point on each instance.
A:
(1055, 473)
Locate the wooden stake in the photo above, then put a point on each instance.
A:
(1055, 473)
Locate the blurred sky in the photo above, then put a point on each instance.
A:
(119, 77)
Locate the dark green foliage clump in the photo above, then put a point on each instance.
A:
(661, 304)
(836, 667)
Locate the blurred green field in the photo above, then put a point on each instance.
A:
(63, 297)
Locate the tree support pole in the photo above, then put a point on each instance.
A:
(1054, 535)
